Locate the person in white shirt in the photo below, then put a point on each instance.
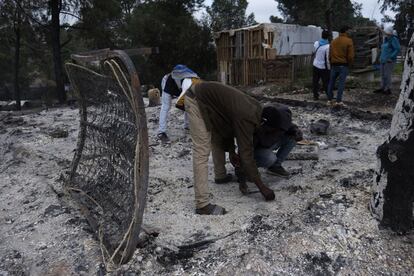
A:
(321, 65)
(172, 85)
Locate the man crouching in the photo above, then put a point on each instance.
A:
(219, 113)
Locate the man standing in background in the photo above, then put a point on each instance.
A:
(171, 86)
(321, 65)
(390, 49)
(341, 53)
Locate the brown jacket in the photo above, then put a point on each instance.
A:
(228, 114)
(341, 51)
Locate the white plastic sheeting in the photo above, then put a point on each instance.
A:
(288, 39)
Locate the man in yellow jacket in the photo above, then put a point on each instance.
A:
(341, 56)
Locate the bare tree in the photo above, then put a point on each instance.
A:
(12, 28)
(47, 17)
(329, 15)
(393, 190)
(55, 7)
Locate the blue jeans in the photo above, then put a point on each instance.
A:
(265, 157)
(386, 73)
(341, 72)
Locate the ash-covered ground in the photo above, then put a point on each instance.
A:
(319, 223)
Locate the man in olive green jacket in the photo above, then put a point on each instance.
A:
(218, 114)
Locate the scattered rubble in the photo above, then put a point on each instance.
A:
(319, 223)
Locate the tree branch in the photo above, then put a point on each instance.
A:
(71, 14)
(73, 27)
(29, 16)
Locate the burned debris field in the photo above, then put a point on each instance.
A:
(319, 223)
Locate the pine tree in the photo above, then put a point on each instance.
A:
(229, 14)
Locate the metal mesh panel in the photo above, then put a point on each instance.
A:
(109, 172)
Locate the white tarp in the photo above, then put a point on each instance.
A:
(289, 39)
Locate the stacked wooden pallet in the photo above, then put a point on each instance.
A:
(365, 40)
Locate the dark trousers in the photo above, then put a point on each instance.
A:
(317, 75)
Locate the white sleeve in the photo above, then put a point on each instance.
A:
(163, 82)
(315, 46)
(327, 57)
(186, 85)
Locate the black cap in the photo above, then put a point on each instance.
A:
(277, 116)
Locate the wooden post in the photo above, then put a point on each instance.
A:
(393, 189)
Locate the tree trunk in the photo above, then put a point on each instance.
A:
(17, 45)
(328, 16)
(393, 190)
(55, 7)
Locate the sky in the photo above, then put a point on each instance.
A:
(263, 9)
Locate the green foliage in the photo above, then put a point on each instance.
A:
(170, 26)
(275, 19)
(404, 18)
(229, 14)
(306, 12)
(119, 24)
(101, 21)
(11, 21)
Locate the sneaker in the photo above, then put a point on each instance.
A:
(211, 209)
(278, 170)
(228, 178)
(339, 104)
(329, 103)
(378, 91)
(163, 138)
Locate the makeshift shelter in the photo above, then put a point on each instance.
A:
(367, 43)
(272, 52)
(277, 52)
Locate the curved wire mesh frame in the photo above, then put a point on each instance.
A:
(125, 74)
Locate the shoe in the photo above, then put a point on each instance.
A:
(228, 178)
(163, 137)
(329, 103)
(278, 170)
(315, 97)
(387, 92)
(211, 209)
(339, 104)
(378, 91)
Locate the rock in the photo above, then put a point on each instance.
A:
(54, 211)
(320, 127)
(183, 153)
(59, 133)
(13, 121)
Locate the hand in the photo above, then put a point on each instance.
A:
(267, 193)
(295, 133)
(298, 135)
(234, 159)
